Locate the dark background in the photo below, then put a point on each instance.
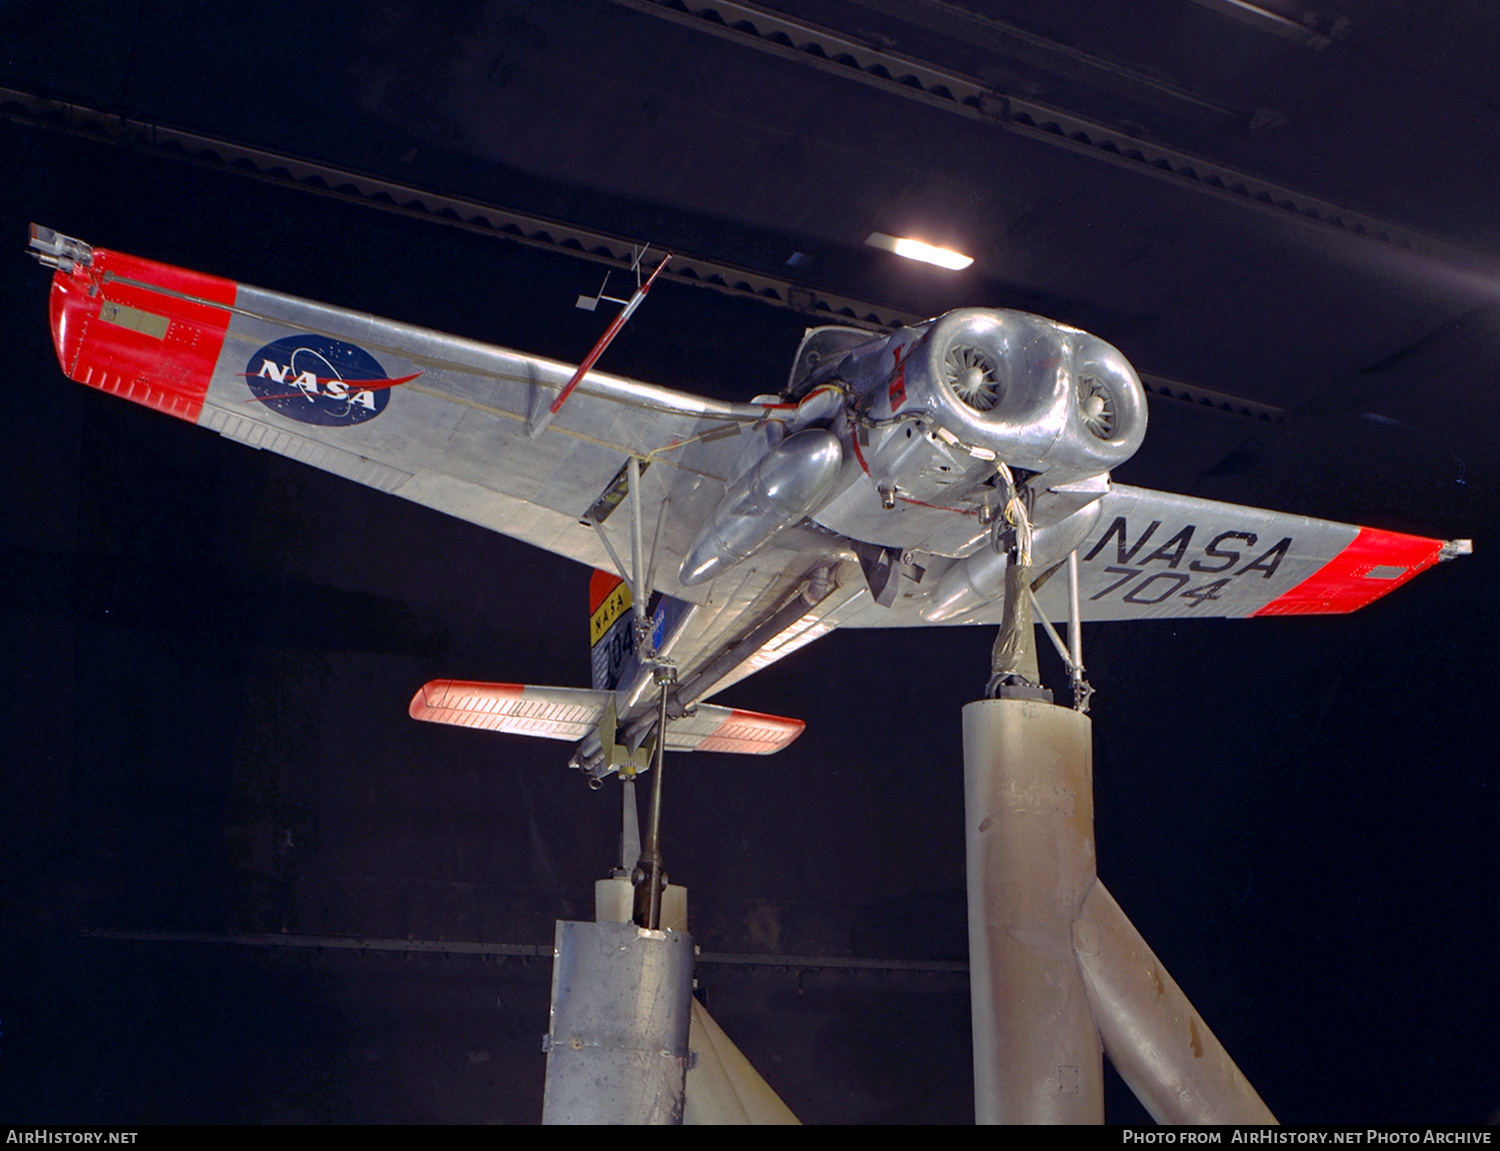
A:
(209, 651)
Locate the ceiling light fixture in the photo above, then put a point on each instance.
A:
(917, 250)
(1279, 23)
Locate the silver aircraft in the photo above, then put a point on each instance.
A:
(895, 482)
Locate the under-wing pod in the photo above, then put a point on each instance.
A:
(1038, 394)
(790, 481)
(979, 578)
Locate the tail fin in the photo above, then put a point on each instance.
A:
(611, 636)
(615, 665)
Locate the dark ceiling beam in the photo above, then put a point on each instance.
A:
(1012, 42)
(1275, 23)
(1207, 401)
(911, 79)
(337, 183)
(534, 231)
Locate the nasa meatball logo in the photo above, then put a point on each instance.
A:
(320, 380)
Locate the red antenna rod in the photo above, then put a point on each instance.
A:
(609, 334)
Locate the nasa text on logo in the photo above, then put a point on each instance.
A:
(320, 380)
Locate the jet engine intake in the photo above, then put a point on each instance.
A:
(790, 481)
(1035, 394)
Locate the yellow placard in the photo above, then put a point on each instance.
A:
(616, 604)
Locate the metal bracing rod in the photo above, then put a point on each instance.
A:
(1075, 621)
(1072, 654)
(818, 585)
(661, 516)
(650, 873)
(1051, 631)
(630, 827)
(1082, 689)
(610, 548)
(638, 593)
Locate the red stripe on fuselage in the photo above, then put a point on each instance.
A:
(170, 371)
(1345, 583)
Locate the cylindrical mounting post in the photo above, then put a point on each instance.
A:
(617, 1048)
(1029, 814)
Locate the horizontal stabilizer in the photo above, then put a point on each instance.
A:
(550, 712)
(573, 713)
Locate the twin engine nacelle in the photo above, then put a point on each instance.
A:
(1013, 387)
(921, 419)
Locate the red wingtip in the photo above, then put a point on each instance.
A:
(1375, 563)
(148, 332)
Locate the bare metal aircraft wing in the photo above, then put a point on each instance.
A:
(434, 418)
(1155, 555)
(868, 495)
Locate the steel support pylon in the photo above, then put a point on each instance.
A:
(1029, 815)
(1058, 974)
(617, 1043)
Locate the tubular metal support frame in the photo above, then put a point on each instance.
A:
(1058, 974)
(1155, 1039)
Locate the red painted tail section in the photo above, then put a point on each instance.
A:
(148, 332)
